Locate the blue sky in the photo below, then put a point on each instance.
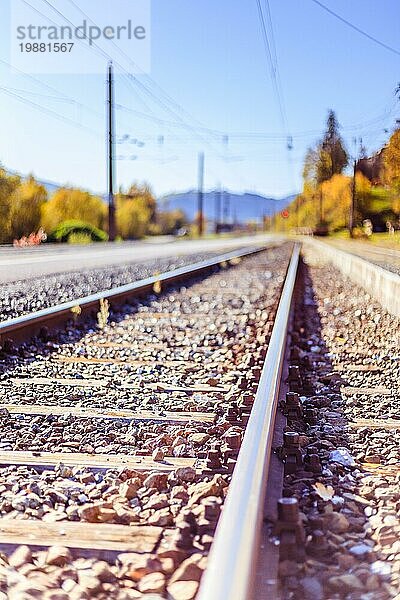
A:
(210, 89)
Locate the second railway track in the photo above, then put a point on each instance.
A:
(119, 439)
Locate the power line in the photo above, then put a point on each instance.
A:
(205, 130)
(47, 111)
(130, 61)
(273, 66)
(135, 66)
(276, 63)
(237, 135)
(61, 95)
(360, 31)
(130, 76)
(30, 93)
(122, 52)
(127, 75)
(272, 55)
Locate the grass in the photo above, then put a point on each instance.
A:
(384, 240)
(343, 234)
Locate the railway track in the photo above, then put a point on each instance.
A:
(120, 437)
(206, 433)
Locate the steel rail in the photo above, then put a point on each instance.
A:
(231, 568)
(26, 326)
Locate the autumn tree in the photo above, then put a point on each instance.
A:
(391, 162)
(73, 204)
(332, 155)
(321, 163)
(337, 200)
(363, 194)
(135, 211)
(133, 217)
(170, 221)
(145, 193)
(8, 185)
(25, 207)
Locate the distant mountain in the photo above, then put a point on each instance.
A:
(238, 208)
(49, 185)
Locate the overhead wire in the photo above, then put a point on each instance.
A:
(172, 124)
(197, 131)
(130, 77)
(51, 88)
(273, 67)
(48, 111)
(130, 61)
(178, 107)
(356, 28)
(272, 57)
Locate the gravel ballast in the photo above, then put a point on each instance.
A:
(348, 488)
(22, 297)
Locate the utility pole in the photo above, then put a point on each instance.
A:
(352, 215)
(275, 216)
(321, 206)
(200, 194)
(217, 209)
(226, 206)
(110, 146)
(353, 199)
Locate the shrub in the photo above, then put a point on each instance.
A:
(64, 231)
(79, 238)
(67, 204)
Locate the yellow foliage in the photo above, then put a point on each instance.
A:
(336, 195)
(25, 209)
(132, 216)
(363, 184)
(72, 203)
(363, 194)
(20, 206)
(391, 162)
(135, 211)
(8, 186)
(304, 211)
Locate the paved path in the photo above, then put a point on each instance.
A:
(25, 263)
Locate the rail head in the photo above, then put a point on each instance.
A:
(230, 572)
